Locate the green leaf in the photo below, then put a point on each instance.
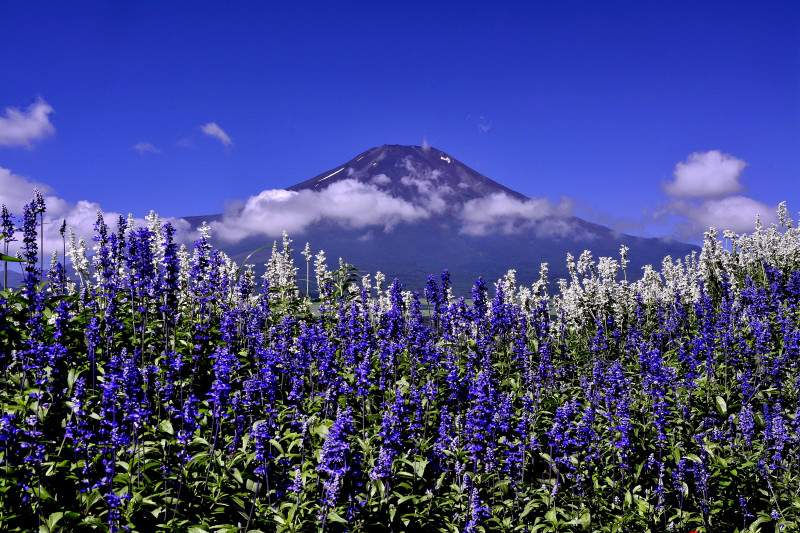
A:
(166, 427)
(277, 445)
(246, 259)
(584, 520)
(52, 520)
(93, 498)
(43, 494)
(760, 520)
(12, 259)
(333, 517)
(528, 508)
(722, 407)
(406, 498)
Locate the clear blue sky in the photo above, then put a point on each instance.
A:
(599, 102)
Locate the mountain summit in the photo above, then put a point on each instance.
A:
(412, 211)
(413, 174)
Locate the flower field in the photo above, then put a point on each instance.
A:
(159, 387)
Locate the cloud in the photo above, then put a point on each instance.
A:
(143, 147)
(433, 196)
(20, 128)
(702, 196)
(736, 213)
(186, 142)
(348, 202)
(500, 213)
(706, 175)
(484, 124)
(16, 191)
(213, 130)
(380, 179)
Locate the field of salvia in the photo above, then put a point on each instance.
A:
(159, 387)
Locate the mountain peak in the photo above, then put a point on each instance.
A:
(417, 174)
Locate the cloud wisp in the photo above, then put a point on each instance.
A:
(21, 128)
(144, 147)
(212, 129)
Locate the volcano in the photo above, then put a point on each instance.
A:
(413, 211)
(412, 173)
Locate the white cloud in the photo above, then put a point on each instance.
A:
(702, 196)
(20, 128)
(433, 196)
(380, 179)
(347, 202)
(500, 213)
(143, 147)
(737, 213)
(213, 130)
(706, 175)
(16, 191)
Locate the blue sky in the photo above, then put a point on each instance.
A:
(655, 118)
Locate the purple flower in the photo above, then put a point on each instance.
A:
(261, 435)
(391, 437)
(333, 458)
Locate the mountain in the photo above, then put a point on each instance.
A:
(412, 211)
(15, 278)
(402, 171)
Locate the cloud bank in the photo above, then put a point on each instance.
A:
(16, 191)
(21, 128)
(348, 202)
(213, 130)
(737, 213)
(355, 205)
(500, 213)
